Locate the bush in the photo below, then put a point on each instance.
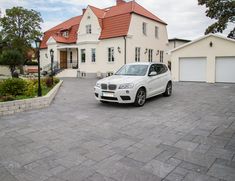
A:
(31, 88)
(56, 80)
(48, 82)
(13, 87)
(7, 98)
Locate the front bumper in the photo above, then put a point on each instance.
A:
(119, 95)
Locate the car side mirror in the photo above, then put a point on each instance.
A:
(153, 73)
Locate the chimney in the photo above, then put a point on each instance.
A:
(83, 11)
(119, 2)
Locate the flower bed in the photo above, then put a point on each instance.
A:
(20, 105)
(17, 89)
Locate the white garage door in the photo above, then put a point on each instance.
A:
(225, 69)
(193, 69)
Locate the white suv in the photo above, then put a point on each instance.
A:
(135, 82)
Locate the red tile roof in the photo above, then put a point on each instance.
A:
(114, 22)
(72, 25)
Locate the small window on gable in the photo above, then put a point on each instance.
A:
(65, 34)
(144, 28)
(88, 29)
(156, 32)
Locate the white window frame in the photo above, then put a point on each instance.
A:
(83, 51)
(111, 57)
(156, 32)
(65, 34)
(137, 54)
(150, 55)
(93, 55)
(144, 28)
(88, 29)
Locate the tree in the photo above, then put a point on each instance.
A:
(21, 27)
(12, 58)
(223, 11)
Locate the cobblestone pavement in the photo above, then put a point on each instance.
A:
(188, 136)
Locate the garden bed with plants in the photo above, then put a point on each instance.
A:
(16, 88)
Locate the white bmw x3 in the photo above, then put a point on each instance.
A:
(134, 83)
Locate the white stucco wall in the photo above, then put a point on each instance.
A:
(138, 39)
(221, 48)
(135, 39)
(4, 70)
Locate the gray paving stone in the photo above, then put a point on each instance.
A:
(192, 176)
(5, 175)
(112, 141)
(186, 145)
(174, 177)
(76, 173)
(222, 172)
(165, 155)
(146, 154)
(196, 158)
(99, 177)
(158, 168)
(220, 153)
(99, 154)
(193, 167)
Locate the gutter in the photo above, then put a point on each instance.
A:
(125, 48)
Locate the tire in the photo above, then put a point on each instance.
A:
(168, 90)
(140, 98)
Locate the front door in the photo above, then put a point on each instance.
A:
(63, 59)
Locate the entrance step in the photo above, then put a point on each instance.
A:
(68, 73)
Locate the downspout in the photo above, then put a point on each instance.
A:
(125, 49)
(77, 59)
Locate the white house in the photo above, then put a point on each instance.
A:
(210, 58)
(100, 41)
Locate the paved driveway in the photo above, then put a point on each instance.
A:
(189, 136)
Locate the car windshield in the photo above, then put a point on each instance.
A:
(133, 70)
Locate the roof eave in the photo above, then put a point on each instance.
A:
(162, 22)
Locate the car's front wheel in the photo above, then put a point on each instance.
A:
(168, 90)
(140, 98)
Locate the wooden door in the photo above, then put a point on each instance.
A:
(63, 59)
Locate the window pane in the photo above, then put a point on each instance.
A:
(156, 32)
(83, 55)
(93, 55)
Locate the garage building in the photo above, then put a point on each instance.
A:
(210, 58)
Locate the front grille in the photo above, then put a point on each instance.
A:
(109, 98)
(112, 87)
(104, 86)
(108, 87)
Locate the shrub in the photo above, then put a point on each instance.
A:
(12, 58)
(7, 98)
(31, 88)
(13, 87)
(56, 80)
(48, 82)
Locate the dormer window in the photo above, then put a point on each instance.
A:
(65, 34)
(88, 29)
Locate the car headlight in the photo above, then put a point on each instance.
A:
(126, 86)
(98, 85)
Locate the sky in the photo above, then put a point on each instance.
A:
(185, 18)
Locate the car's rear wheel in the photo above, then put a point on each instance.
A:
(168, 90)
(140, 98)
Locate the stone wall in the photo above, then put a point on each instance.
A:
(11, 107)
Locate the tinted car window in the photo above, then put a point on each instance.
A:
(161, 69)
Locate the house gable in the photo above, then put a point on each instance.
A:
(89, 19)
